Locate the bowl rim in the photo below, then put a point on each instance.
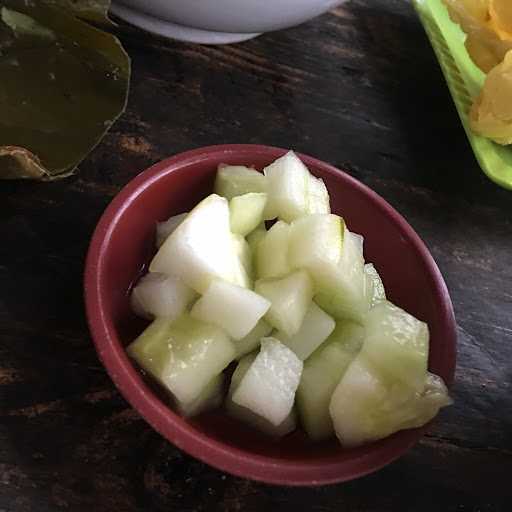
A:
(174, 428)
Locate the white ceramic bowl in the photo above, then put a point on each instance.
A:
(218, 21)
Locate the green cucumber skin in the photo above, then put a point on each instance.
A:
(183, 355)
(237, 180)
(397, 343)
(322, 373)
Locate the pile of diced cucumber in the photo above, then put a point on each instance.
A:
(261, 274)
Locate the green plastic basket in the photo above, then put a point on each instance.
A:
(465, 81)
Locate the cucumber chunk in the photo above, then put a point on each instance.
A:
(236, 180)
(246, 415)
(321, 374)
(290, 297)
(318, 196)
(183, 355)
(235, 309)
(246, 212)
(397, 344)
(243, 251)
(210, 398)
(255, 237)
(293, 191)
(160, 295)
(374, 287)
(252, 340)
(367, 406)
(315, 244)
(272, 252)
(287, 188)
(268, 387)
(314, 330)
(201, 248)
(164, 229)
(342, 289)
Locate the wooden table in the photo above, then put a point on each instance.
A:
(359, 88)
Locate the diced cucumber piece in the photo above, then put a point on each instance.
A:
(359, 244)
(318, 196)
(357, 406)
(321, 374)
(240, 275)
(314, 330)
(183, 355)
(290, 298)
(236, 180)
(201, 248)
(397, 344)
(367, 406)
(210, 398)
(268, 387)
(252, 340)
(287, 188)
(255, 237)
(235, 309)
(316, 243)
(160, 295)
(433, 396)
(244, 254)
(246, 415)
(350, 334)
(374, 287)
(164, 229)
(272, 252)
(293, 191)
(247, 212)
(343, 286)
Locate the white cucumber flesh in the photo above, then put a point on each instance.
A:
(161, 295)
(318, 197)
(342, 289)
(314, 330)
(210, 398)
(252, 340)
(201, 248)
(167, 227)
(269, 385)
(230, 307)
(290, 299)
(247, 416)
(287, 188)
(255, 237)
(271, 253)
(243, 251)
(246, 212)
(315, 243)
(374, 286)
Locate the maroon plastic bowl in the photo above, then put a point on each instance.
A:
(123, 242)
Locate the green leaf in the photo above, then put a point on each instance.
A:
(63, 84)
(89, 10)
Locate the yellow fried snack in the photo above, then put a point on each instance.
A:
(500, 12)
(486, 43)
(491, 114)
(478, 9)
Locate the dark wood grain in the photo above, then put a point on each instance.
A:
(358, 87)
